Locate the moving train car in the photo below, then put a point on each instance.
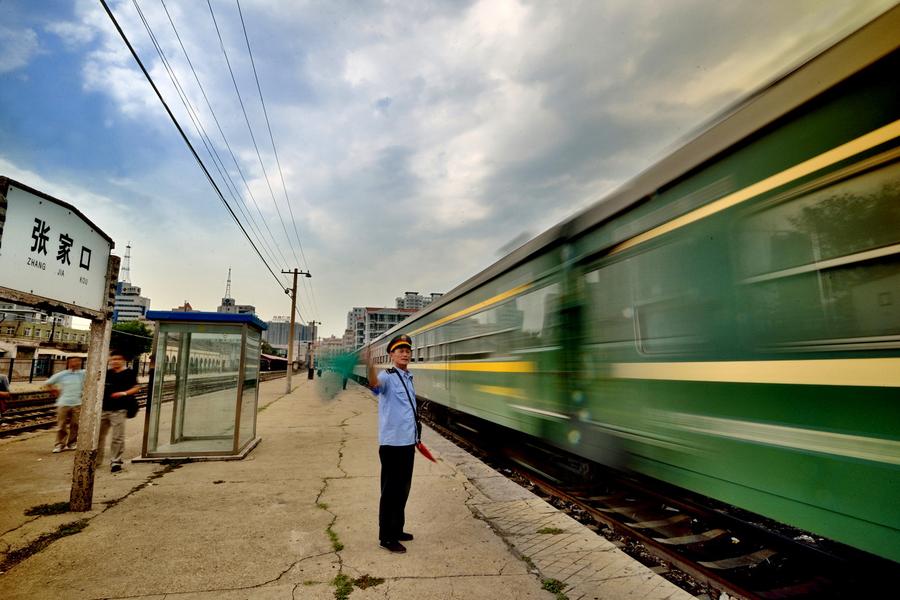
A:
(729, 322)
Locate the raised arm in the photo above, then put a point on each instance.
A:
(371, 373)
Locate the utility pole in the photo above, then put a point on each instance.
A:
(293, 294)
(311, 368)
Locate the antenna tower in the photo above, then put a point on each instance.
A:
(126, 268)
(227, 285)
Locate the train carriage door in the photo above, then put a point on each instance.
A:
(606, 334)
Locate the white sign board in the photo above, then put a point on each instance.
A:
(47, 249)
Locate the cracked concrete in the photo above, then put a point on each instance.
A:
(253, 528)
(258, 528)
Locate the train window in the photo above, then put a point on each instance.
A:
(534, 313)
(661, 300)
(843, 219)
(609, 315)
(822, 270)
(470, 349)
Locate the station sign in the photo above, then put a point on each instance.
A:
(50, 250)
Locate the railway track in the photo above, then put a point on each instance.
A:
(32, 411)
(701, 545)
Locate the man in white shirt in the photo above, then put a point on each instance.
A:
(69, 385)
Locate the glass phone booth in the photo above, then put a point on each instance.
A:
(203, 397)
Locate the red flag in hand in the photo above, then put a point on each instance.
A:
(425, 451)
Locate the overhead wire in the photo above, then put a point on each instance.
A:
(194, 115)
(250, 130)
(198, 125)
(310, 291)
(187, 140)
(195, 119)
(224, 138)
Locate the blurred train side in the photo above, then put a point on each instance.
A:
(728, 323)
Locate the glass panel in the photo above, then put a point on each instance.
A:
(534, 316)
(194, 401)
(849, 217)
(611, 314)
(793, 299)
(852, 302)
(250, 395)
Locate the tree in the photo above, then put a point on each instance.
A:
(131, 339)
(266, 348)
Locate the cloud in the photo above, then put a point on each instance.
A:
(99, 208)
(415, 138)
(74, 35)
(19, 47)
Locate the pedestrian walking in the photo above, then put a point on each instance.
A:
(121, 382)
(398, 433)
(68, 386)
(4, 394)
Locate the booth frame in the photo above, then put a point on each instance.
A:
(238, 450)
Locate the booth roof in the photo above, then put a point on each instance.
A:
(205, 317)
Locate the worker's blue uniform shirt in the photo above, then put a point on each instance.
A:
(396, 418)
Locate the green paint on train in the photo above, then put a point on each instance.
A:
(729, 323)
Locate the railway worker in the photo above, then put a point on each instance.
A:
(68, 385)
(121, 382)
(398, 433)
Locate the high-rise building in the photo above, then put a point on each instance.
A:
(129, 305)
(367, 323)
(416, 301)
(279, 330)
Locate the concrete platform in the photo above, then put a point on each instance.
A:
(300, 510)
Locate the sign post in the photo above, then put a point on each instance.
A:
(54, 258)
(82, 493)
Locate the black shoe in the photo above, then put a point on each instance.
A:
(395, 547)
(115, 468)
(405, 537)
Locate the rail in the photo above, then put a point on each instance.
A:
(699, 544)
(31, 411)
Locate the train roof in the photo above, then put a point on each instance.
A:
(865, 46)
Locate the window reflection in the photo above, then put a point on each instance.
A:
(824, 269)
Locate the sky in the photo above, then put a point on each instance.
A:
(413, 141)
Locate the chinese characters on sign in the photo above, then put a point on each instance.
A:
(40, 236)
(50, 250)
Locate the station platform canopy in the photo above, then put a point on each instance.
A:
(204, 393)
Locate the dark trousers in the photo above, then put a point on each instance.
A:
(396, 479)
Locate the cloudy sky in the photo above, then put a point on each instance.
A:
(415, 139)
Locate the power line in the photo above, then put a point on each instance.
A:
(310, 292)
(250, 130)
(248, 213)
(195, 120)
(198, 125)
(184, 137)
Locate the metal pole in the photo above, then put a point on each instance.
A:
(290, 356)
(290, 362)
(311, 367)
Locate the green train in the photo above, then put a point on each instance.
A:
(728, 322)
